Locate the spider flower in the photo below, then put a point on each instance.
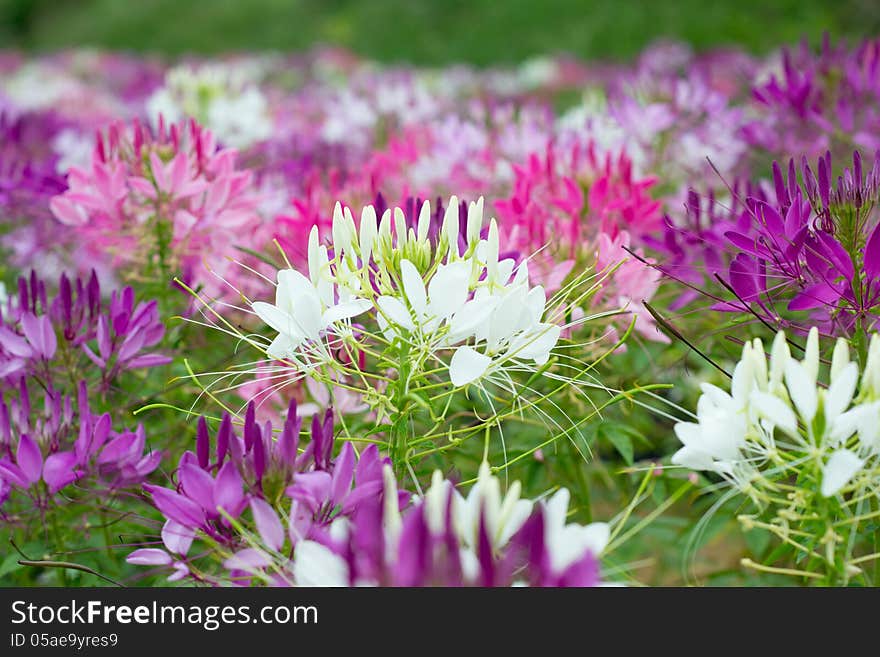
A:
(159, 202)
(77, 329)
(434, 297)
(44, 453)
(815, 102)
(816, 248)
(779, 429)
(220, 97)
(579, 208)
(248, 474)
(444, 539)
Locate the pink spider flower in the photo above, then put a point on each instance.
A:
(585, 206)
(158, 203)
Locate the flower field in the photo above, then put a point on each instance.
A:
(313, 320)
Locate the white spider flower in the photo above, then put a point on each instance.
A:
(735, 433)
(465, 309)
(306, 309)
(503, 516)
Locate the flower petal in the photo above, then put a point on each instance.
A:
(839, 470)
(467, 365)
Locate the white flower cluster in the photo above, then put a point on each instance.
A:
(220, 97)
(779, 420)
(427, 296)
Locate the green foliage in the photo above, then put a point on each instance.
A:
(477, 31)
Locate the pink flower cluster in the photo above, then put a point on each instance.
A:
(160, 202)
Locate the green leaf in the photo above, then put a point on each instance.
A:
(9, 564)
(757, 541)
(621, 437)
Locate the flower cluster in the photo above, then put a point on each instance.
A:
(219, 97)
(446, 539)
(290, 516)
(593, 208)
(159, 203)
(816, 248)
(806, 455)
(808, 103)
(51, 343)
(45, 453)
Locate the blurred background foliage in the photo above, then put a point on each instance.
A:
(427, 32)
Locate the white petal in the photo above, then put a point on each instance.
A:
(448, 289)
(505, 269)
(395, 311)
(368, 231)
(802, 390)
(283, 346)
(274, 317)
(743, 381)
(692, 458)
(474, 221)
(596, 536)
(467, 365)
(505, 320)
(780, 354)
(840, 358)
(346, 310)
(424, 223)
(472, 316)
(840, 469)
(450, 224)
(316, 565)
(414, 287)
(774, 409)
(539, 344)
(536, 300)
(840, 392)
(810, 363)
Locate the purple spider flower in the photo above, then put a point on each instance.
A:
(114, 337)
(66, 443)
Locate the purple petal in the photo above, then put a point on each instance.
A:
(343, 471)
(149, 557)
(814, 296)
(872, 254)
(120, 450)
(103, 335)
(199, 486)
(203, 443)
(310, 488)
(14, 344)
(29, 459)
(148, 463)
(60, 470)
(228, 493)
(176, 507)
(248, 559)
(148, 360)
(176, 537)
(13, 474)
(268, 524)
(40, 333)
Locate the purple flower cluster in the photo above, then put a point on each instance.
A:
(815, 102)
(215, 486)
(42, 454)
(815, 248)
(76, 332)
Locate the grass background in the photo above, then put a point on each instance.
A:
(477, 31)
